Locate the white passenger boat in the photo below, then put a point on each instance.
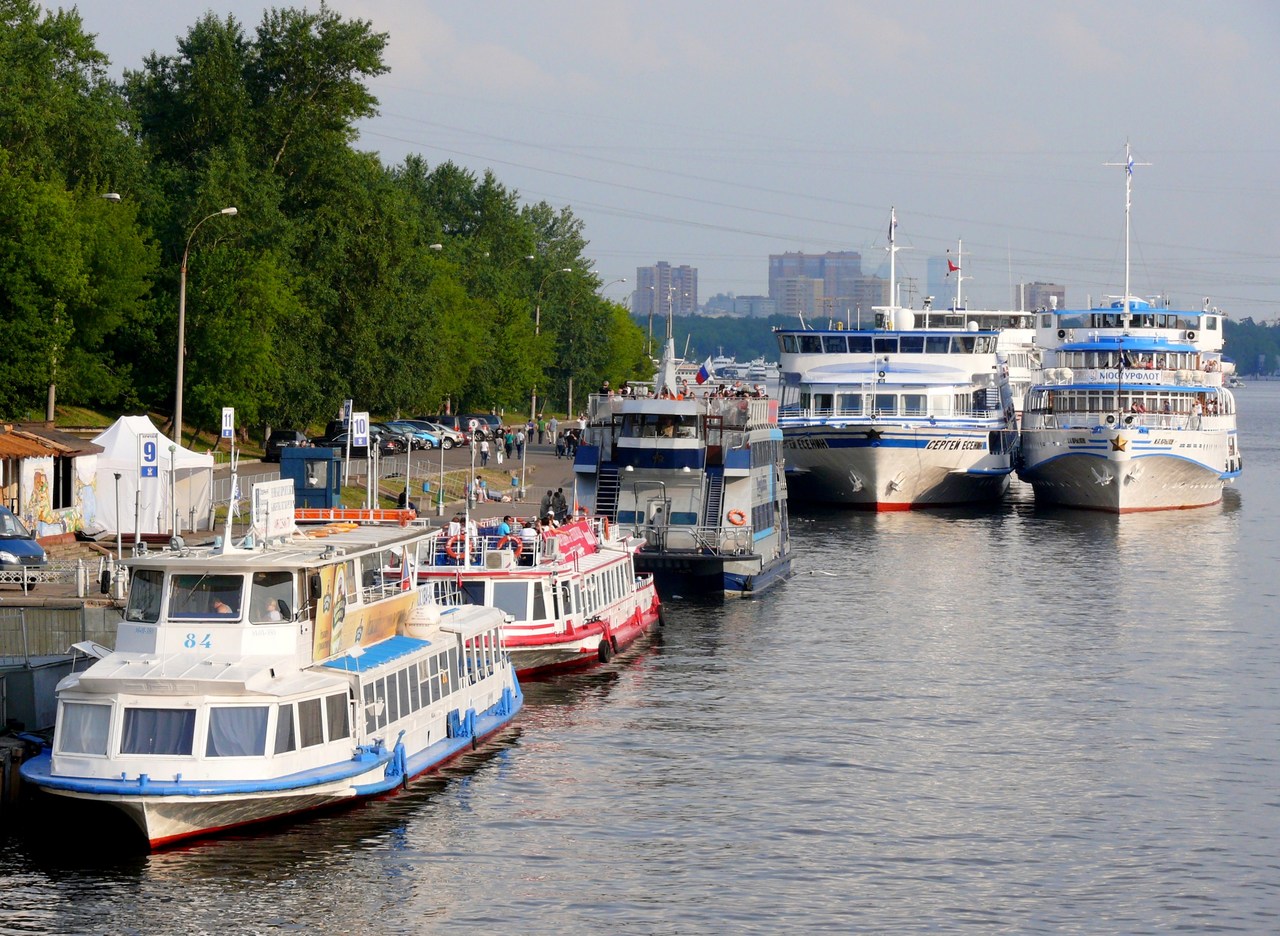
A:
(571, 595)
(248, 684)
(699, 476)
(897, 416)
(1131, 412)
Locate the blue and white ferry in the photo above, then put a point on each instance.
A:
(897, 416)
(699, 475)
(249, 684)
(1131, 412)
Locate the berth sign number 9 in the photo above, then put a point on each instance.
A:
(148, 455)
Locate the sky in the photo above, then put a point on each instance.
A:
(714, 133)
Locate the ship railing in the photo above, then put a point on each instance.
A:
(722, 540)
(734, 412)
(1048, 419)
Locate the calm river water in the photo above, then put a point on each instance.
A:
(1013, 720)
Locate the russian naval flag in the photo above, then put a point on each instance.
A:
(704, 372)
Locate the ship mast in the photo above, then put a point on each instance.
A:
(1128, 164)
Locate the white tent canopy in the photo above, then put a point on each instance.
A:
(185, 479)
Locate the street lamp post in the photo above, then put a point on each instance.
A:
(537, 330)
(182, 321)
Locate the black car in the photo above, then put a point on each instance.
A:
(387, 444)
(282, 439)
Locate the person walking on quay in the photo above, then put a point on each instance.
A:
(509, 441)
(560, 505)
(553, 426)
(542, 429)
(484, 452)
(520, 440)
(547, 504)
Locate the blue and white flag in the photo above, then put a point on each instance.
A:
(704, 372)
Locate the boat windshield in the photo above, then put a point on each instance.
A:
(660, 425)
(205, 596)
(145, 588)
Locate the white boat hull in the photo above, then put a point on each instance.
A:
(1125, 471)
(886, 468)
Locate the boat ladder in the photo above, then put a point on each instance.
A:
(715, 499)
(607, 493)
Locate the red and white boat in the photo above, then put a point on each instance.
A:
(572, 596)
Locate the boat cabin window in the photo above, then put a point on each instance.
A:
(937, 344)
(336, 716)
(810, 344)
(833, 344)
(884, 344)
(860, 344)
(913, 404)
(145, 589)
(823, 402)
(849, 404)
(271, 597)
(82, 728)
(513, 598)
(286, 739)
(158, 731)
(911, 344)
(964, 344)
(886, 404)
(787, 343)
(311, 728)
(237, 731)
(201, 595)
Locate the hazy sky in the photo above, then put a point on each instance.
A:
(715, 133)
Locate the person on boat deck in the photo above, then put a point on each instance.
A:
(560, 505)
(455, 525)
(549, 521)
(546, 505)
(504, 528)
(221, 607)
(1137, 407)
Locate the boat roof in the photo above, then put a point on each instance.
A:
(312, 547)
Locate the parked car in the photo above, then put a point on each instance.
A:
(387, 443)
(489, 425)
(448, 437)
(419, 436)
(448, 421)
(18, 546)
(282, 439)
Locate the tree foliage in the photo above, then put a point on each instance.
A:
(402, 287)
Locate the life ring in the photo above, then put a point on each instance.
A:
(604, 527)
(736, 517)
(451, 547)
(519, 544)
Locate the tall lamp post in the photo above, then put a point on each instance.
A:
(537, 330)
(182, 321)
(653, 301)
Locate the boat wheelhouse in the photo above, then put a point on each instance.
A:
(571, 595)
(248, 684)
(701, 479)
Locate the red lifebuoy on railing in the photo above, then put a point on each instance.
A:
(502, 544)
(451, 547)
(736, 517)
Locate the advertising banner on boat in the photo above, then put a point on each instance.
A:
(343, 621)
(576, 539)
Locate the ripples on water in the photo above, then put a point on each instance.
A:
(1021, 720)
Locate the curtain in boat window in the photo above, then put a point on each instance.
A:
(336, 710)
(82, 728)
(286, 740)
(237, 731)
(310, 722)
(158, 731)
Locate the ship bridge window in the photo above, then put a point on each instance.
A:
(810, 344)
(885, 344)
(144, 596)
(787, 343)
(834, 344)
(1210, 323)
(271, 597)
(937, 344)
(205, 596)
(860, 344)
(911, 344)
(158, 731)
(1046, 321)
(237, 731)
(82, 728)
(963, 344)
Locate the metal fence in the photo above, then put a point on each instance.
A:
(29, 634)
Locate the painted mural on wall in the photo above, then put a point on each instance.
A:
(37, 504)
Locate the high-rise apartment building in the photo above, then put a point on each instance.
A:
(663, 289)
(830, 284)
